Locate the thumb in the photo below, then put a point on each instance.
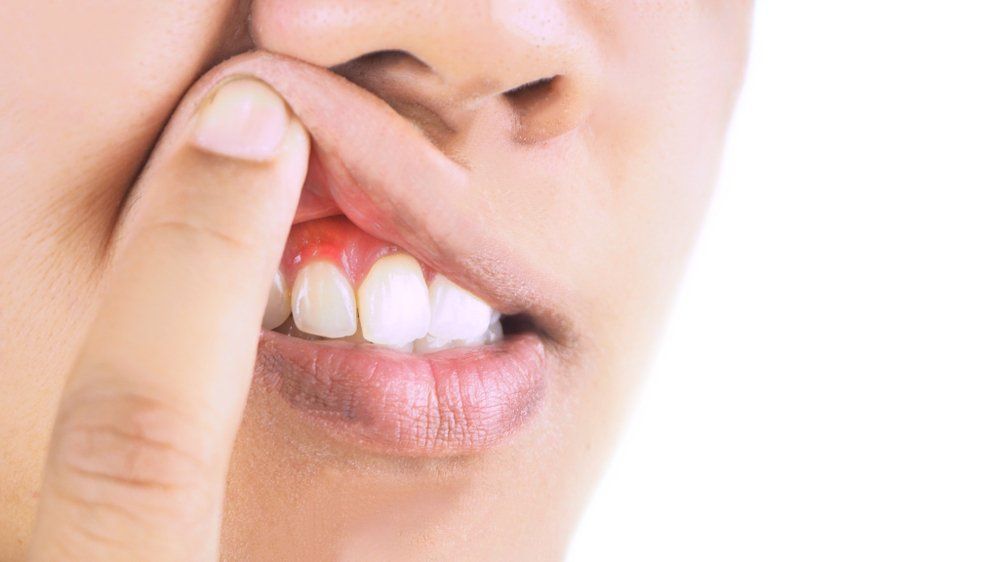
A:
(138, 458)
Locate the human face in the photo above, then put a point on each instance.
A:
(594, 182)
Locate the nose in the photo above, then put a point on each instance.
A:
(444, 62)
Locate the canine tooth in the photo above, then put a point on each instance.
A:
(456, 314)
(323, 301)
(278, 303)
(393, 302)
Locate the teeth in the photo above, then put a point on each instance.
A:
(278, 303)
(397, 309)
(408, 348)
(323, 301)
(456, 314)
(393, 302)
(429, 344)
(492, 334)
(495, 332)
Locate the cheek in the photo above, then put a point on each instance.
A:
(659, 141)
(85, 88)
(617, 224)
(95, 82)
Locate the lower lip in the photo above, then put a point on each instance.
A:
(451, 402)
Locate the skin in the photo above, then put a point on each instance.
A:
(639, 112)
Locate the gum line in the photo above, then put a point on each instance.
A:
(338, 240)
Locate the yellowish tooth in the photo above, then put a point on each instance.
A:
(323, 301)
(279, 304)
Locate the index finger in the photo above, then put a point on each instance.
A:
(139, 453)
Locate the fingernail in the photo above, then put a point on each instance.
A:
(243, 119)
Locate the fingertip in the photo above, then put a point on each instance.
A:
(243, 118)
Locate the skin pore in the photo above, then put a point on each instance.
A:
(599, 180)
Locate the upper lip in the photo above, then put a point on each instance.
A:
(393, 183)
(379, 170)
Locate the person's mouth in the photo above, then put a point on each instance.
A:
(384, 350)
(400, 320)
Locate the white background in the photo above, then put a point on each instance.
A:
(829, 385)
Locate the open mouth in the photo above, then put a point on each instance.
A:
(338, 283)
(400, 319)
(384, 350)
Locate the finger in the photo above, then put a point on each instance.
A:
(138, 458)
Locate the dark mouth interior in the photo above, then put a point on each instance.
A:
(514, 324)
(518, 324)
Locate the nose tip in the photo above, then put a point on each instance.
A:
(447, 59)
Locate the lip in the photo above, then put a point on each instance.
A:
(450, 402)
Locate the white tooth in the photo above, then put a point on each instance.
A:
(456, 314)
(278, 303)
(478, 340)
(393, 303)
(495, 331)
(323, 301)
(429, 344)
(407, 348)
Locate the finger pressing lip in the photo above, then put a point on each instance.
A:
(387, 178)
(392, 183)
(200, 241)
(150, 411)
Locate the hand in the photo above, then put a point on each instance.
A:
(138, 459)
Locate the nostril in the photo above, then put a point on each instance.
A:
(545, 108)
(530, 99)
(379, 61)
(406, 83)
(530, 93)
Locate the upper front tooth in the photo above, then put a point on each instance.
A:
(323, 301)
(456, 314)
(393, 302)
(278, 305)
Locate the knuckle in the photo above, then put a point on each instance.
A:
(192, 231)
(124, 454)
